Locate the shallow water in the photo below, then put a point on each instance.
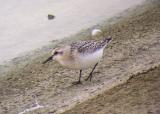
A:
(24, 25)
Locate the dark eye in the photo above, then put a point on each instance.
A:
(55, 53)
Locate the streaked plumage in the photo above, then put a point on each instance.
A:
(80, 55)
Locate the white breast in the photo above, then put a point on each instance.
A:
(83, 61)
(89, 60)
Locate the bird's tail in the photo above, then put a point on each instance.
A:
(106, 41)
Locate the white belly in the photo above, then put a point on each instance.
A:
(89, 60)
(83, 61)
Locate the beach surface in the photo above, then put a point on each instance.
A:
(126, 80)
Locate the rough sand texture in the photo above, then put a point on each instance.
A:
(135, 49)
(140, 95)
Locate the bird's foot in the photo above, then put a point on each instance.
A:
(77, 82)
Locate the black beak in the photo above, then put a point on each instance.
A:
(48, 60)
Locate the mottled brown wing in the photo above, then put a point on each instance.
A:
(86, 47)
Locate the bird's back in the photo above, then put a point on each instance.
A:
(88, 47)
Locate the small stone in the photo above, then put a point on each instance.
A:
(50, 16)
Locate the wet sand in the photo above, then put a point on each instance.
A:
(134, 50)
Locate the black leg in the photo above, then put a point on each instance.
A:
(90, 75)
(79, 81)
(80, 75)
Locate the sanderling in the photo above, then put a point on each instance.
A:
(80, 55)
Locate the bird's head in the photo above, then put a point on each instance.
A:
(56, 55)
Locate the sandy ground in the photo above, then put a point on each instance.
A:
(135, 49)
(140, 95)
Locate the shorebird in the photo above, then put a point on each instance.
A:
(80, 55)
